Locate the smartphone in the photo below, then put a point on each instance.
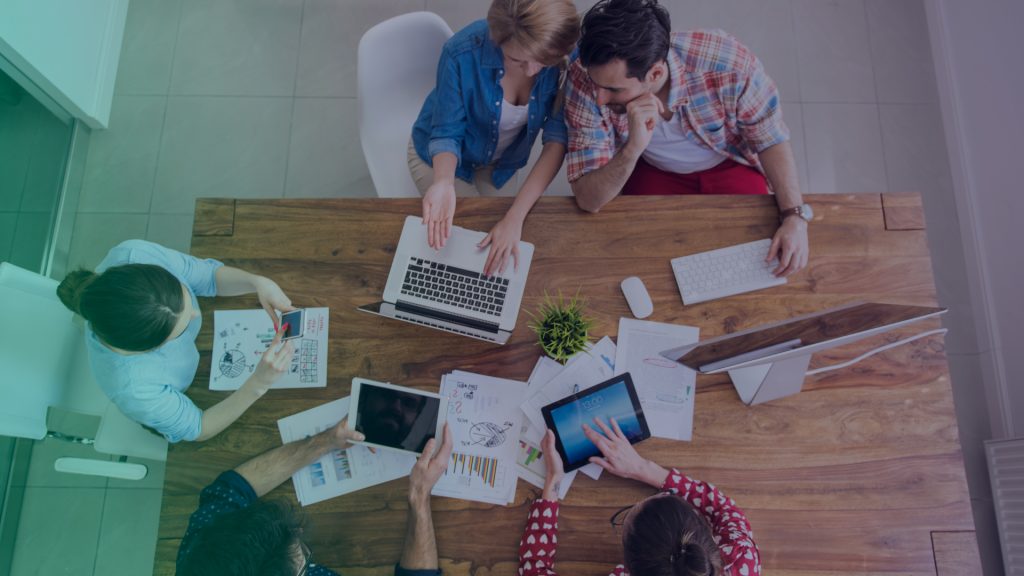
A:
(296, 324)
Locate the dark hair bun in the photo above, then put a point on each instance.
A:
(70, 290)
(693, 558)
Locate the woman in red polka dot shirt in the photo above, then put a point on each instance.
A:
(688, 529)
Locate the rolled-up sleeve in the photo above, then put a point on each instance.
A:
(448, 125)
(759, 112)
(200, 274)
(555, 129)
(161, 407)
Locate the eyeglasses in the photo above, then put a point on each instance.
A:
(619, 518)
(307, 558)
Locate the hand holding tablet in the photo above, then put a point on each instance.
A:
(395, 417)
(572, 420)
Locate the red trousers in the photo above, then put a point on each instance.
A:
(727, 178)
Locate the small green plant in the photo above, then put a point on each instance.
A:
(562, 328)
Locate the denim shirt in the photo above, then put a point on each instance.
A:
(461, 114)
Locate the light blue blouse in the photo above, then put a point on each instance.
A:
(149, 387)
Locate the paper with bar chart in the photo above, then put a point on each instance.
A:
(339, 471)
(484, 421)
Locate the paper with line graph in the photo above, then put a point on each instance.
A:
(484, 420)
(240, 337)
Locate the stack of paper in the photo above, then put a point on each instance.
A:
(588, 368)
(340, 471)
(484, 421)
(240, 337)
(530, 459)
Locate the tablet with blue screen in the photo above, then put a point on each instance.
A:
(615, 398)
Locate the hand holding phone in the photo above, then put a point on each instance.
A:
(294, 324)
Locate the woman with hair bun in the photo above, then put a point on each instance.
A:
(142, 318)
(499, 85)
(688, 529)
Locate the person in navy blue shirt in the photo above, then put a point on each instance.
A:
(499, 85)
(235, 533)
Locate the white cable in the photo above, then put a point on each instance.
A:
(875, 351)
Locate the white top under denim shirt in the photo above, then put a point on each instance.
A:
(149, 387)
(513, 118)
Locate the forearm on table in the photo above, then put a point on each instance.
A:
(420, 550)
(268, 470)
(224, 413)
(540, 177)
(444, 165)
(235, 282)
(780, 169)
(598, 187)
(652, 474)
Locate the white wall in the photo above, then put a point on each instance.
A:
(982, 91)
(977, 47)
(68, 49)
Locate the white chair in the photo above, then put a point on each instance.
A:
(397, 68)
(44, 363)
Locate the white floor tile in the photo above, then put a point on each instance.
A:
(833, 51)
(237, 47)
(221, 147)
(147, 51)
(128, 534)
(844, 148)
(58, 531)
(459, 13)
(96, 234)
(330, 36)
(917, 159)
(326, 158)
(122, 160)
(900, 51)
(171, 230)
(764, 26)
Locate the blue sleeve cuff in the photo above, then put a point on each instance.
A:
(399, 571)
(439, 145)
(555, 130)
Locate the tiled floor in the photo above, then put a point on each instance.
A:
(256, 99)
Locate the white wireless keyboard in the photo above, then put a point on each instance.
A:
(724, 272)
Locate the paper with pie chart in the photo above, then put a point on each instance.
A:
(240, 337)
(485, 421)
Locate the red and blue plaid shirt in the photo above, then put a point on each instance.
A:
(719, 92)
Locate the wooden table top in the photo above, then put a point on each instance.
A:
(852, 476)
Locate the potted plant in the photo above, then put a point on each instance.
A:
(562, 328)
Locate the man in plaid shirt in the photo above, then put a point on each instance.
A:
(655, 112)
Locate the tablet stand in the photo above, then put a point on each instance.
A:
(771, 381)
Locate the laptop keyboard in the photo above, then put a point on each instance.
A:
(455, 286)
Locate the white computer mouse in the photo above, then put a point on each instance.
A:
(637, 297)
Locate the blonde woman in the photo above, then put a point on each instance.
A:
(499, 85)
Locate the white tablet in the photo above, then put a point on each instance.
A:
(395, 417)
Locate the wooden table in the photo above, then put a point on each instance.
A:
(861, 473)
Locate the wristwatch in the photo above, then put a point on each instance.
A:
(804, 211)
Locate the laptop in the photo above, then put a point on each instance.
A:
(446, 289)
